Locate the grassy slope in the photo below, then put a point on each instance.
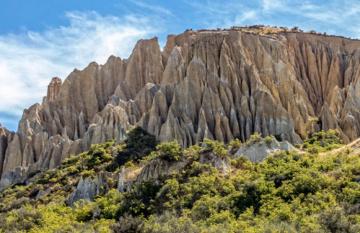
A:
(316, 190)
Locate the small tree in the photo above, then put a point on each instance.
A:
(170, 151)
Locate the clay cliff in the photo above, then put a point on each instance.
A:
(218, 84)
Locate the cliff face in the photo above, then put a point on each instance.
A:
(204, 84)
(4, 138)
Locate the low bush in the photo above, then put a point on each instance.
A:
(254, 138)
(322, 141)
(268, 140)
(170, 151)
(216, 147)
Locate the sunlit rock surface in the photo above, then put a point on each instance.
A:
(218, 84)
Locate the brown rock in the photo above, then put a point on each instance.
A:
(219, 84)
(4, 135)
(53, 89)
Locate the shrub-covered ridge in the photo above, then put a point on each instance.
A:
(210, 190)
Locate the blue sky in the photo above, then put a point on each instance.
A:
(40, 39)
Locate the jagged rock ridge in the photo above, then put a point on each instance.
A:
(204, 84)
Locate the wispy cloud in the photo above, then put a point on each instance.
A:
(336, 12)
(215, 14)
(268, 5)
(29, 60)
(154, 8)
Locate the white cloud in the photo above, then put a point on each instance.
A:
(29, 60)
(154, 8)
(213, 14)
(268, 5)
(245, 17)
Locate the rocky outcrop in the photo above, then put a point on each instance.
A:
(127, 177)
(53, 89)
(88, 188)
(220, 84)
(222, 164)
(4, 135)
(159, 168)
(258, 151)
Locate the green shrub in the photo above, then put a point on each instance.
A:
(250, 197)
(128, 224)
(109, 204)
(71, 160)
(169, 193)
(87, 173)
(73, 169)
(254, 138)
(306, 184)
(24, 219)
(98, 155)
(241, 163)
(234, 144)
(129, 164)
(170, 151)
(335, 220)
(322, 141)
(208, 206)
(84, 210)
(169, 222)
(192, 152)
(140, 200)
(139, 140)
(268, 140)
(138, 144)
(216, 146)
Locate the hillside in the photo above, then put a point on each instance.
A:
(139, 185)
(217, 84)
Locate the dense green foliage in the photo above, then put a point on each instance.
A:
(48, 192)
(288, 192)
(138, 144)
(322, 141)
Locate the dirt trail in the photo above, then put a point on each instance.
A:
(353, 146)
